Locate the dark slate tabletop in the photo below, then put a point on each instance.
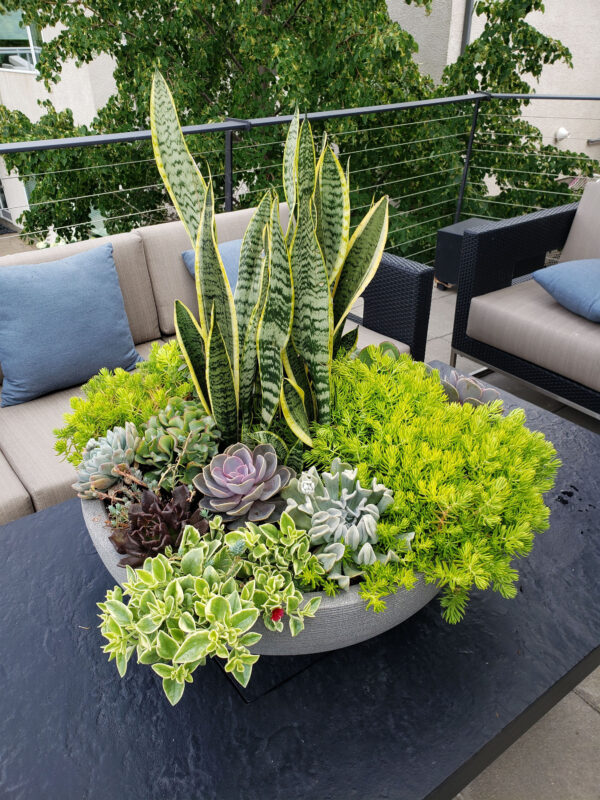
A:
(415, 713)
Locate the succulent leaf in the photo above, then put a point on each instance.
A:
(102, 456)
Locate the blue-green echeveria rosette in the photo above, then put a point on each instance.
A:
(102, 457)
(244, 485)
(341, 517)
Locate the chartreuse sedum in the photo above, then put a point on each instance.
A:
(268, 349)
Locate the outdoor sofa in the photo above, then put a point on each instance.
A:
(152, 275)
(505, 320)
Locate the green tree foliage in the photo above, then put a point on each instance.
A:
(260, 57)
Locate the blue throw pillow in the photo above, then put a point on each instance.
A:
(575, 285)
(60, 322)
(230, 256)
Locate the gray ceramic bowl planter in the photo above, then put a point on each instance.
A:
(341, 621)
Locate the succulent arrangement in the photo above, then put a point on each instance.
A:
(103, 459)
(340, 516)
(243, 485)
(176, 443)
(155, 523)
(466, 389)
(263, 458)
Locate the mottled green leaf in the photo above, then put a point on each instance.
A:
(181, 176)
(294, 411)
(191, 342)
(220, 381)
(247, 290)
(334, 222)
(193, 648)
(275, 322)
(212, 286)
(289, 163)
(364, 254)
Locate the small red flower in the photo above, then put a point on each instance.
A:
(277, 614)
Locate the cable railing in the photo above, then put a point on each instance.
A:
(439, 160)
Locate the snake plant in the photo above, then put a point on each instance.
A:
(269, 347)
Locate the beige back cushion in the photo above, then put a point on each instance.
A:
(128, 253)
(164, 245)
(583, 240)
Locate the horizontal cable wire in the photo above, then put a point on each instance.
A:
(520, 171)
(416, 239)
(542, 191)
(256, 144)
(483, 216)
(96, 194)
(423, 191)
(533, 153)
(535, 116)
(397, 125)
(426, 250)
(96, 166)
(402, 180)
(419, 208)
(424, 222)
(501, 203)
(401, 144)
(256, 169)
(410, 161)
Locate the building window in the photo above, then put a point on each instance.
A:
(20, 44)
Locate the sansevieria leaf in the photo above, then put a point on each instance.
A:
(247, 289)
(289, 163)
(275, 322)
(334, 213)
(294, 413)
(248, 357)
(364, 255)
(191, 344)
(177, 168)
(295, 369)
(212, 286)
(220, 382)
(312, 328)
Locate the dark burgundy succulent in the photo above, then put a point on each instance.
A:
(155, 523)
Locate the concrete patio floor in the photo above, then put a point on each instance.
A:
(559, 757)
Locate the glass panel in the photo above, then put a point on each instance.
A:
(15, 50)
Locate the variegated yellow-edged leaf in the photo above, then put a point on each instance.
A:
(247, 289)
(295, 369)
(312, 327)
(212, 286)
(268, 437)
(192, 346)
(294, 413)
(346, 342)
(248, 358)
(177, 168)
(335, 213)
(275, 321)
(220, 382)
(290, 154)
(364, 254)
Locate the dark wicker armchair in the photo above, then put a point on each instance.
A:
(397, 302)
(495, 257)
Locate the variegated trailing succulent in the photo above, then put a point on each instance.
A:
(196, 602)
(341, 518)
(270, 347)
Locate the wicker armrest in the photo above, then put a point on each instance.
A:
(398, 301)
(494, 254)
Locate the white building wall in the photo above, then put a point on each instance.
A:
(83, 89)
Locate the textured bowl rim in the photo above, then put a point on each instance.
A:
(344, 615)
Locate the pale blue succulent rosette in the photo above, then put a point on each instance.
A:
(341, 517)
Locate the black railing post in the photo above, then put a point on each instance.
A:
(228, 170)
(465, 174)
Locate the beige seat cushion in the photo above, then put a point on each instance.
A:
(27, 442)
(164, 245)
(14, 499)
(526, 321)
(128, 252)
(583, 240)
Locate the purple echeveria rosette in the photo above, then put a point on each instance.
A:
(244, 485)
